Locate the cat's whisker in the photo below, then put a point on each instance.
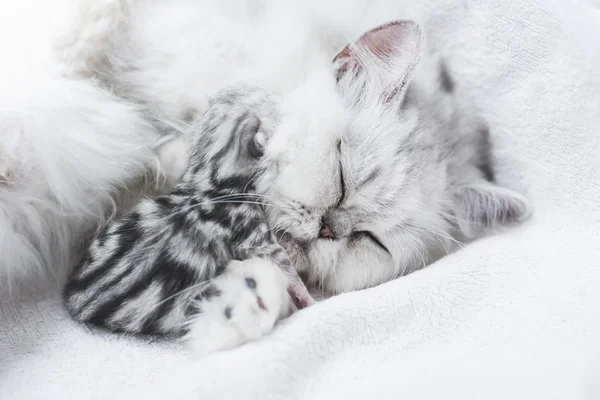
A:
(201, 286)
(250, 183)
(181, 128)
(419, 253)
(441, 242)
(321, 277)
(452, 217)
(335, 280)
(250, 195)
(459, 243)
(225, 201)
(241, 194)
(277, 230)
(438, 233)
(234, 195)
(245, 202)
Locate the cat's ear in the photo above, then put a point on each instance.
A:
(387, 55)
(484, 207)
(252, 138)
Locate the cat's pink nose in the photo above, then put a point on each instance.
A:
(326, 232)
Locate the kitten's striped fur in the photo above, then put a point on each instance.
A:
(153, 270)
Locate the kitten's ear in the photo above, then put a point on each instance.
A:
(253, 139)
(388, 54)
(484, 207)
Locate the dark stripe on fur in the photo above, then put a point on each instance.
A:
(446, 80)
(485, 163)
(174, 280)
(105, 312)
(132, 235)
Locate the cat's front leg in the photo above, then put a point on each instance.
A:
(250, 297)
(297, 289)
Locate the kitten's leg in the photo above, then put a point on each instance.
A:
(301, 298)
(296, 287)
(252, 297)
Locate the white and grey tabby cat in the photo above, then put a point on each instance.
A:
(380, 171)
(169, 266)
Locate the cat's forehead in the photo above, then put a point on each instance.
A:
(376, 163)
(313, 118)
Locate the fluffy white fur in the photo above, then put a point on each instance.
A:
(63, 159)
(68, 149)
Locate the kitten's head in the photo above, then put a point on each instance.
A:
(231, 139)
(367, 188)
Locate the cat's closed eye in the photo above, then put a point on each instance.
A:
(342, 182)
(369, 236)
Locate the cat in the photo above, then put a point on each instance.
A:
(85, 130)
(384, 171)
(200, 261)
(365, 193)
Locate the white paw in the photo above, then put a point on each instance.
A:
(253, 297)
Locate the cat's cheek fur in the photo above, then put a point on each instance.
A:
(240, 312)
(343, 265)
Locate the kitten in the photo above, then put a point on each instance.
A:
(381, 170)
(169, 265)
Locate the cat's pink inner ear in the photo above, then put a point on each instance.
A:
(383, 42)
(390, 51)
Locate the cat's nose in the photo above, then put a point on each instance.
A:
(325, 231)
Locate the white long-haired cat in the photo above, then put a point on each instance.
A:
(378, 176)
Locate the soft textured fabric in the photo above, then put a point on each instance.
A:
(516, 315)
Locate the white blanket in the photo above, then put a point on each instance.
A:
(514, 316)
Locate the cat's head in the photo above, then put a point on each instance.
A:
(231, 139)
(366, 190)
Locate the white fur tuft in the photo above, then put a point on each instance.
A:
(67, 148)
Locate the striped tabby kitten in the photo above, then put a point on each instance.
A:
(169, 266)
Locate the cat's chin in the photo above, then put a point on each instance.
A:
(296, 251)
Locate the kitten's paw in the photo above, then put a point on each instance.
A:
(252, 297)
